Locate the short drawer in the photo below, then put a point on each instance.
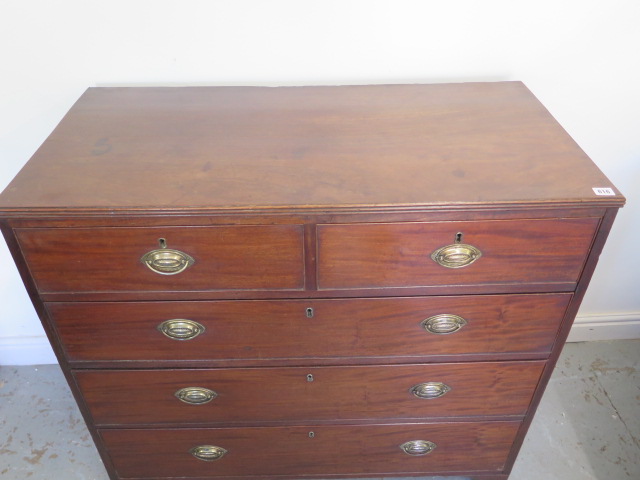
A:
(249, 395)
(400, 254)
(310, 450)
(422, 328)
(211, 258)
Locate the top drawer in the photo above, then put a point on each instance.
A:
(400, 254)
(211, 258)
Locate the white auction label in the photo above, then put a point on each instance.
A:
(604, 191)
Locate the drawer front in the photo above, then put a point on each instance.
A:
(310, 450)
(400, 254)
(264, 330)
(110, 259)
(308, 394)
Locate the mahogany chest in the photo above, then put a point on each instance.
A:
(308, 282)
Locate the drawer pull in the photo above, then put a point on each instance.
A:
(456, 255)
(167, 261)
(430, 390)
(195, 395)
(181, 329)
(443, 324)
(208, 453)
(418, 447)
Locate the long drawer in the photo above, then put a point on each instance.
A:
(297, 394)
(420, 327)
(310, 450)
(164, 258)
(400, 254)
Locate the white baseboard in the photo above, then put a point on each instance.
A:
(33, 350)
(36, 350)
(588, 328)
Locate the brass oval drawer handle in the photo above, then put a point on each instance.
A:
(456, 255)
(443, 324)
(418, 447)
(167, 261)
(430, 390)
(181, 329)
(208, 453)
(195, 395)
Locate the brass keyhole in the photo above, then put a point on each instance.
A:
(309, 312)
(309, 378)
(162, 242)
(312, 434)
(458, 238)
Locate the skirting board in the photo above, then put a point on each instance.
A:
(33, 350)
(36, 350)
(589, 328)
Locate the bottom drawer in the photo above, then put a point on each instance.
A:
(311, 450)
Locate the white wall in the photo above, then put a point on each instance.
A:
(580, 57)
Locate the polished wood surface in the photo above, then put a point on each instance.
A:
(565, 328)
(250, 395)
(243, 148)
(108, 259)
(333, 450)
(399, 254)
(378, 328)
(311, 214)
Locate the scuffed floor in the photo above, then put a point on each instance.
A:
(42, 435)
(587, 426)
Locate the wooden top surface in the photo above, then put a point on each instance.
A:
(180, 149)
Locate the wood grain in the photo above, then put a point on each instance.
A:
(351, 328)
(322, 199)
(58, 349)
(399, 254)
(251, 395)
(565, 327)
(147, 150)
(108, 259)
(333, 450)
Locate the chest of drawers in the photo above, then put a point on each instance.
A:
(308, 282)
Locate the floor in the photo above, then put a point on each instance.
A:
(587, 426)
